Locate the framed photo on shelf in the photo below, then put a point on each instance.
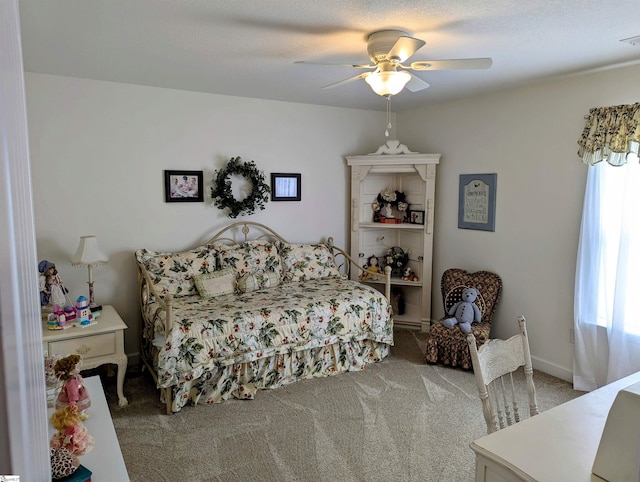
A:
(183, 186)
(416, 217)
(477, 202)
(286, 187)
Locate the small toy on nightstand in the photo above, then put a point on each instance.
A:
(61, 317)
(84, 315)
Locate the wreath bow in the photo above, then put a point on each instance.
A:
(223, 196)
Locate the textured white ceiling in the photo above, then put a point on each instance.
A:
(248, 47)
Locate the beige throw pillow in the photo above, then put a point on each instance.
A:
(218, 283)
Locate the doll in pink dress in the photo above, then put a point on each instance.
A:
(73, 393)
(71, 433)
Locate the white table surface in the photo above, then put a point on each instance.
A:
(105, 459)
(559, 444)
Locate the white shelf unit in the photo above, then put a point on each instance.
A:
(413, 174)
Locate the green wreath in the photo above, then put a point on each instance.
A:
(223, 196)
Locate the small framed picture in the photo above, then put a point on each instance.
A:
(416, 217)
(183, 186)
(286, 187)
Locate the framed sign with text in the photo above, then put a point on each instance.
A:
(477, 202)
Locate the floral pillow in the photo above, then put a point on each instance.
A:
(174, 273)
(258, 281)
(307, 261)
(250, 257)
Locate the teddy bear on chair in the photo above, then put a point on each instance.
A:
(464, 312)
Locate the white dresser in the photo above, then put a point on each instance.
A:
(557, 445)
(105, 459)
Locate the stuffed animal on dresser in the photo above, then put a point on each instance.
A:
(464, 312)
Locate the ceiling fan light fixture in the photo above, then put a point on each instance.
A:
(388, 83)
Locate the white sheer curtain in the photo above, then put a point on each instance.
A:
(607, 290)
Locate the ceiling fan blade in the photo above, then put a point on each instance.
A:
(454, 64)
(404, 48)
(416, 84)
(355, 66)
(346, 81)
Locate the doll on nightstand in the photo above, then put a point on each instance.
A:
(73, 393)
(52, 291)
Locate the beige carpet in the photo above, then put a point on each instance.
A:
(399, 420)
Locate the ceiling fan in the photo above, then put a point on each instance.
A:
(388, 49)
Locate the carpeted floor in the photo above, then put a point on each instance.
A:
(399, 420)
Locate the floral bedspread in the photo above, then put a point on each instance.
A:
(317, 327)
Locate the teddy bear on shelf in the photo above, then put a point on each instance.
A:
(464, 312)
(71, 433)
(409, 275)
(73, 393)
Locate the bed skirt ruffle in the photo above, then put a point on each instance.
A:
(243, 380)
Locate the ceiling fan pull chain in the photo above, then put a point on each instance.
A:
(386, 133)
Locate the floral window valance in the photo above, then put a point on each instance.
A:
(611, 134)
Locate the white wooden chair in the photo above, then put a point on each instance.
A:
(494, 365)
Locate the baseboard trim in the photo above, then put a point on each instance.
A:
(411, 325)
(552, 369)
(133, 359)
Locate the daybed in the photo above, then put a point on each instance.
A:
(248, 310)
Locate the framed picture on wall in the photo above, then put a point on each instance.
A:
(416, 217)
(183, 186)
(286, 187)
(477, 202)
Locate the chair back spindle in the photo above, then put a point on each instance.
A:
(494, 365)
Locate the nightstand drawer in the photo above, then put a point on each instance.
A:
(86, 346)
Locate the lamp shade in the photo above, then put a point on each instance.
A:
(388, 82)
(88, 253)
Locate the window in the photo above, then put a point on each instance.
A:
(607, 318)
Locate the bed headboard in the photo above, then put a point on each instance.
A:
(249, 230)
(245, 231)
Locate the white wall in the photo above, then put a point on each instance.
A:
(98, 151)
(528, 136)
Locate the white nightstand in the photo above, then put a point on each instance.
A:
(97, 344)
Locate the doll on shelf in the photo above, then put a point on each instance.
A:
(71, 433)
(372, 266)
(73, 393)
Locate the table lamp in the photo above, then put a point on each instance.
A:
(88, 254)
